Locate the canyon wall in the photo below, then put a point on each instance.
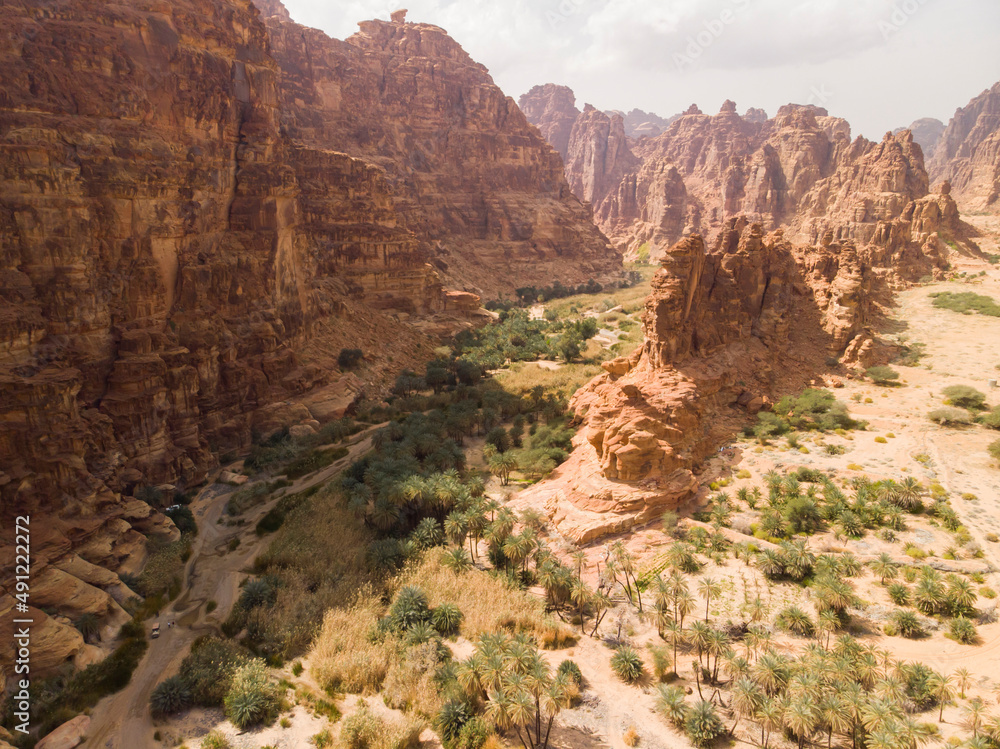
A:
(968, 153)
(731, 325)
(185, 245)
(799, 170)
(484, 193)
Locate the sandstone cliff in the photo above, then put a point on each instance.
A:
(799, 169)
(730, 328)
(185, 246)
(968, 153)
(483, 192)
(927, 132)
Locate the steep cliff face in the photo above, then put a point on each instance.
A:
(927, 132)
(484, 193)
(552, 109)
(177, 271)
(968, 153)
(799, 169)
(728, 329)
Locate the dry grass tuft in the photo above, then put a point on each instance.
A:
(365, 730)
(631, 737)
(344, 658)
(488, 603)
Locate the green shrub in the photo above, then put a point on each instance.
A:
(882, 375)
(964, 396)
(962, 630)
(702, 724)
(208, 669)
(570, 669)
(627, 664)
(253, 698)
(966, 302)
(170, 696)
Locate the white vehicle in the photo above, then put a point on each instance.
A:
(156, 631)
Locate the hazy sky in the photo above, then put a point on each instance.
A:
(879, 63)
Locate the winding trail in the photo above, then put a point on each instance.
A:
(123, 720)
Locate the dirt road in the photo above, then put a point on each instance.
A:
(123, 721)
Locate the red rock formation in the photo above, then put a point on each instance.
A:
(482, 191)
(800, 170)
(552, 109)
(927, 132)
(727, 331)
(968, 153)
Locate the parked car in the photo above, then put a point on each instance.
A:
(156, 631)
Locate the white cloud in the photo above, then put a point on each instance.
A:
(886, 61)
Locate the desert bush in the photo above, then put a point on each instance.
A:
(949, 416)
(170, 696)
(627, 664)
(991, 419)
(882, 375)
(964, 396)
(349, 358)
(410, 683)
(907, 623)
(994, 450)
(208, 669)
(447, 618)
(365, 730)
(253, 697)
(488, 603)
(215, 740)
(963, 630)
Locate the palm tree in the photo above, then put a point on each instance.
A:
(975, 711)
(910, 492)
(877, 715)
(699, 635)
(745, 701)
(709, 589)
(684, 604)
(756, 609)
(771, 718)
(771, 672)
(963, 679)
(801, 717)
(670, 703)
(929, 595)
(581, 595)
(837, 715)
(676, 633)
(941, 686)
(884, 568)
(962, 596)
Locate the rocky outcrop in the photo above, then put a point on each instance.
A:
(799, 170)
(729, 329)
(552, 109)
(968, 153)
(927, 132)
(482, 191)
(639, 124)
(599, 155)
(189, 233)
